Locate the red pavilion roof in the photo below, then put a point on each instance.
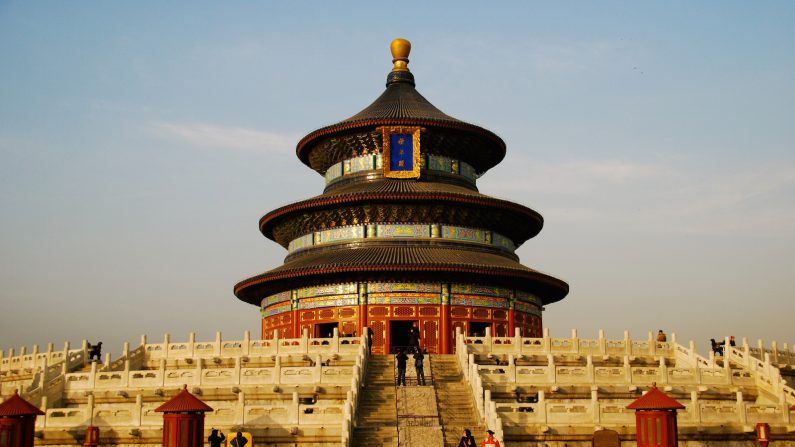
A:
(17, 406)
(184, 401)
(654, 399)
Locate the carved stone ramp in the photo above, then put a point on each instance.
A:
(455, 402)
(418, 417)
(376, 420)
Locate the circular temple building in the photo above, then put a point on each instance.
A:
(401, 234)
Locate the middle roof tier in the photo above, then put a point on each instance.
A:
(401, 201)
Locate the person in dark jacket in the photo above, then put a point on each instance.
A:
(467, 440)
(401, 359)
(215, 439)
(239, 440)
(419, 366)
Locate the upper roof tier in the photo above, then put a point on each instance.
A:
(401, 105)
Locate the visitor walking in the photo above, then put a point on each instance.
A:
(419, 366)
(467, 440)
(215, 439)
(401, 359)
(490, 441)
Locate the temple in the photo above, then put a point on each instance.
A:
(401, 234)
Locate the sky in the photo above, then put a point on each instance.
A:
(140, 143)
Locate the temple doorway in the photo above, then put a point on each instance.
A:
(478, 328)
(325, 330)
(399, 334)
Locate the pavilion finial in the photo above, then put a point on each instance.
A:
(400, 73)
(400, 54)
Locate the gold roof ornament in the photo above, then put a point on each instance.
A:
(400, 49)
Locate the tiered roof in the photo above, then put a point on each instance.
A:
(373, 198)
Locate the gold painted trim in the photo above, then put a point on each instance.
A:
(386, 150)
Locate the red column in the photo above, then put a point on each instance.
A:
(445, 332)
(511, 322)
(362, 308)
(295, 314)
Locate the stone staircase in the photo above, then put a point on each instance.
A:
(454, 399)
(376, 421)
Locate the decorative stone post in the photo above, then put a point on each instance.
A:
(183, 420)
(17, 422)
(655, 419)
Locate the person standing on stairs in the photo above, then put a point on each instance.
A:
(490, 441)
(467, 440)
(401, 359)
(419, 366)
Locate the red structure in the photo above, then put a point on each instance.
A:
(92, 436)
(655, 419)
(401, 235)
(183, 420)
(17, 422)
(763, 433)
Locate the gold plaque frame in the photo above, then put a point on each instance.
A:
(386, 150)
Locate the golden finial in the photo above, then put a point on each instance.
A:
(400, 54)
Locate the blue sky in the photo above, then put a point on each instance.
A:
(140, 144)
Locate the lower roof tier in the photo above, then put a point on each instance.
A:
(388, 262)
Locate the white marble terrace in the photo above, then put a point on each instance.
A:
(608, 370)
(248, 383)
(264, 383)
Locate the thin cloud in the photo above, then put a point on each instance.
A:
(238, 138)
(753, 200)
(574, 177)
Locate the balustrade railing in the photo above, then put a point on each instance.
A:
(332, 361)
(319, 368)
(505, 356)
(141, 415)
(574, 345)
